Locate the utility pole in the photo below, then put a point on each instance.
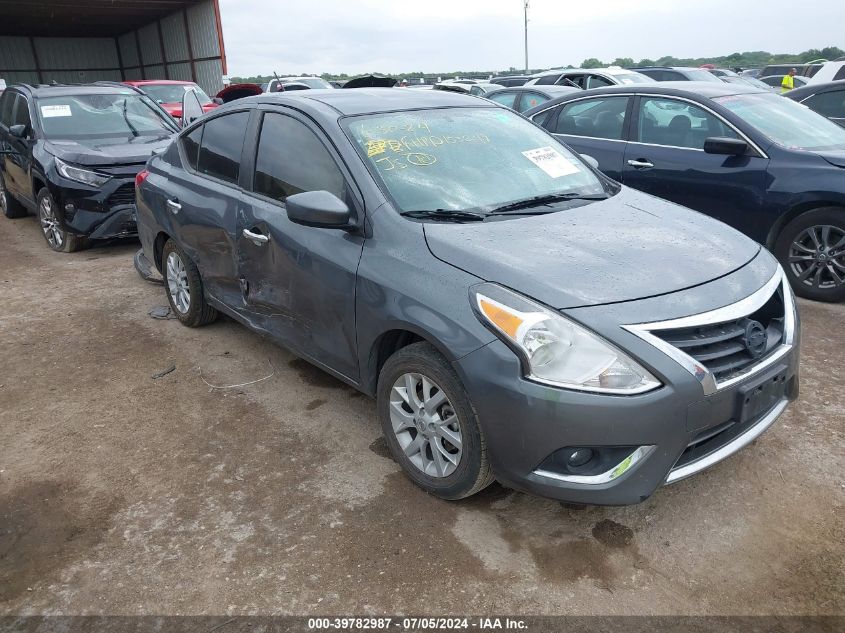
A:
(525, 8)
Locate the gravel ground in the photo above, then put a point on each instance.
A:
(121, 493)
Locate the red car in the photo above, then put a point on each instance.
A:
(168, 94)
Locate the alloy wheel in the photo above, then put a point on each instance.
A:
(49, 224)
(817, 257)
(177, 283)
(425, 425)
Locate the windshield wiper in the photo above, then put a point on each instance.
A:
(129, 123)
(447, 215)
(538, 201)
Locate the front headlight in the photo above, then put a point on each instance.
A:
(555, 350)
(78, 174)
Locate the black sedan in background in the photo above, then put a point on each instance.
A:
(828, 99)
(759, 162)
(526, 97)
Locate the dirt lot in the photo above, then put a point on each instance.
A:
(124, 494)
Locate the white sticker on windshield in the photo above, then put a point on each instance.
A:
(551, 161)
(55, 110)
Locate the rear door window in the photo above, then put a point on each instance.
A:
(602, 117)
(595, 81)
(507, 99)
(531, 99)
(547, 80)
(676, 123)
(222, 143)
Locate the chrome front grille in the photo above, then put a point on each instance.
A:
(728, 344)
(729, 348)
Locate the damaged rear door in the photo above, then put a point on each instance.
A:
(298, 282)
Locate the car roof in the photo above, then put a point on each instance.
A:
(707, 89)
(356, 101)
(147, 82)
(811, 89)
(69, 90)
(703, 89)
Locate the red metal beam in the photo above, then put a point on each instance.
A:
(220, 36)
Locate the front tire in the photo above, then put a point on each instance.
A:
(10, 207)
(184, 287)
(430, 425)
(811, 249)
(57, 237)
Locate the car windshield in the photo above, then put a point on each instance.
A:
(461, 159)
(102, 116)
(785, 122)
(173, 93)
(312, 82)
(632, 78)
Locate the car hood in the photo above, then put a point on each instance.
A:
(834, 157)
(631, 246)
(103, 152)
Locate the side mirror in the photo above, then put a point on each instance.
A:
(724, 145)
(191, 108)
(217, 101)
(317, 208)
(19, 131)
(592, 162)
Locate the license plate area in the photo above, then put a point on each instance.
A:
(761, 395)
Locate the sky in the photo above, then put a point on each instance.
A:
(395, 36)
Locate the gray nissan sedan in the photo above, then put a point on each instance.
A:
(517, 315)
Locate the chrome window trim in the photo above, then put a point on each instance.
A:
(741, 134)
(636, 457)
(739, 442)
(730, 312)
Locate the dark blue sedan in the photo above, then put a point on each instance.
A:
(764, 164)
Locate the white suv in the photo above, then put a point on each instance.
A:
(589, 77)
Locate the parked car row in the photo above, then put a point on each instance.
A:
(504, 300)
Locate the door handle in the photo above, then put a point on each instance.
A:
(259, 239)
(174, 206)
(640, 163)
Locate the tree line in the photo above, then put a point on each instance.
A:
(748, 59)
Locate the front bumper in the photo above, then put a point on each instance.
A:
(98, 213)
(657, 437)
(524, 422)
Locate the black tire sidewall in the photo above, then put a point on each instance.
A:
(14, 209)
(424, 359)
(833, 216)
(198, 312)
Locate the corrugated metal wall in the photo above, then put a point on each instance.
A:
(183, 46)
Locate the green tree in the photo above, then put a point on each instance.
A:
(625, 62)
(592, 62)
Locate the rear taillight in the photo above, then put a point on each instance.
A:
(141, 177)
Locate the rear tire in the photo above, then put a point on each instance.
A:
(56, 236)
(811, 249)
(10, 207)
(430, 424)
(184, 287)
